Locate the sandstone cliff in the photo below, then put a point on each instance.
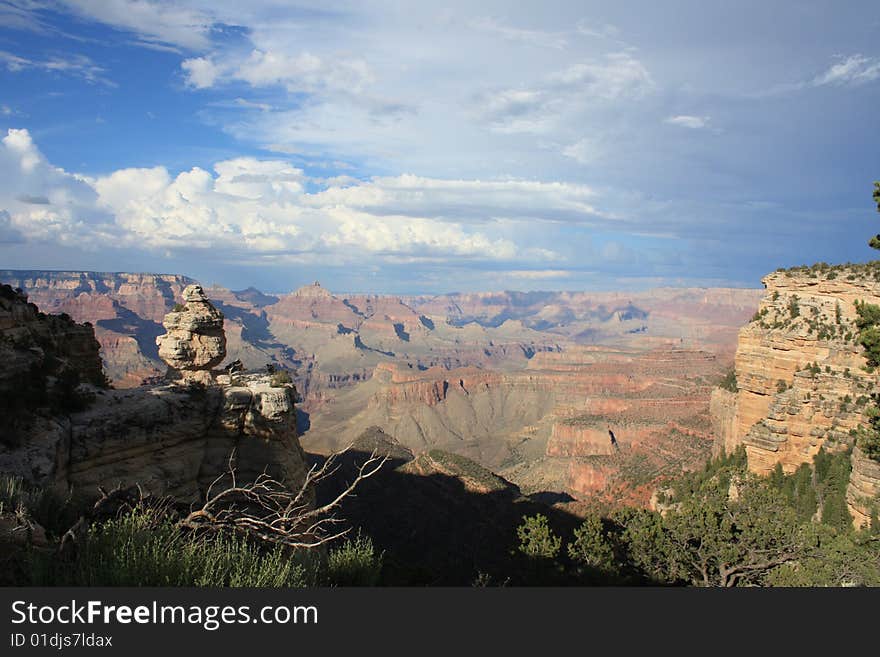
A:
(544, 426)
(195, 341)
(172, 439)
(40, 353)
(863, 492)
(801, 376)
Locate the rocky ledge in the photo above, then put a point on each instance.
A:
(174, 439)
(802, 383)
(863, 492)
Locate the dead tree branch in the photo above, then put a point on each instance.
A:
(267, 510)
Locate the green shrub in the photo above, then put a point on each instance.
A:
(281, 378)
(142, 548)
(719, 469)
(728, 382)
(870, 340)
(54, 512)
(592, 546)
(868, 437)
(354, 563)
(536, 539)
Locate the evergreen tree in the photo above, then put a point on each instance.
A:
(803, 493)
(539, 548)
(592, 547)
(777, 478)
(719, 541)
(536, 539)
(875, 241)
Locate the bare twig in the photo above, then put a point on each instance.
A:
(270, 512)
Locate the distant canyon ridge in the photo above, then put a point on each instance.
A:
(526, 384)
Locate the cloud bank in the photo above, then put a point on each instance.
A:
(246, 208)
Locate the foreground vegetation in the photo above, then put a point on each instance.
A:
(145, 546)
(720, 527)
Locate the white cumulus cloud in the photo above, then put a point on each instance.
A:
(248, 208)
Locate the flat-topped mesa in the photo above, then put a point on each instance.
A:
(313, 290)
(195, 341)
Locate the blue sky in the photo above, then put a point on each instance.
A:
(415, 148)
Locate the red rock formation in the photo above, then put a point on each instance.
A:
(545, 426)
(802, 386)
(799, 370)
(126, 310)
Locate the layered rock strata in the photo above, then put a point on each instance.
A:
(195, 341)
(802, 380)
(799, 370)
(544, 426)
(170, 439)
(38, 350)
(863, 491)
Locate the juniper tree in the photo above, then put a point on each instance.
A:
(874, 242)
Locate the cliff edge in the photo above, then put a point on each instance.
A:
(801, 379)
(172, 439)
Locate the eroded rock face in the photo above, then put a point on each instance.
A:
(170, 439)
(37, 349)
(177, 442)
(799, 370)
(195, 341)
(863, 491)
(545, 426)
(126, 310)
(802, 385)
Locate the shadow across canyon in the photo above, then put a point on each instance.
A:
(144, 331)
(436, 528)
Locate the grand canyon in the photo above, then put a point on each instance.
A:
(499, 298)
(525, 384)
(466, 412)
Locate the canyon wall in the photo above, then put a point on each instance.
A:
(171, 439)
(524, 383)
(125, 309)
(863, 491)
(39, 350)
(545, 426)
(801, 376)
